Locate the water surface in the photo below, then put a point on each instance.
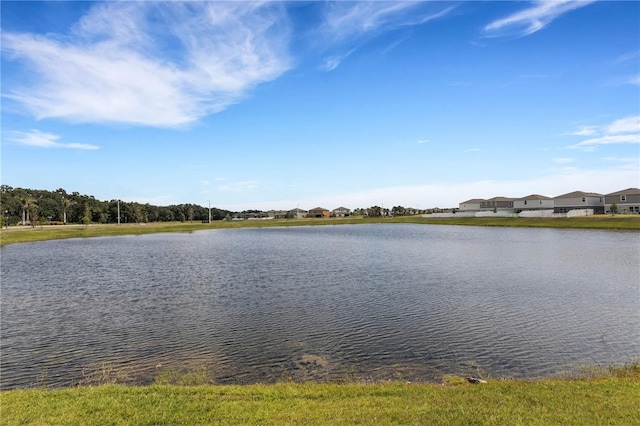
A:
(349, 302)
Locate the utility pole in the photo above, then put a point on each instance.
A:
(209, 212)
(118, 212)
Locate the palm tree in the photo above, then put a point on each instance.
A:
(29, 205)
(66, 203)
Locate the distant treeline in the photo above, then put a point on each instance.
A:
(33, 206)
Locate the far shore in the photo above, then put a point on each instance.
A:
(23, 234)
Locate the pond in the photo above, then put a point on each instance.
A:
(324, 303)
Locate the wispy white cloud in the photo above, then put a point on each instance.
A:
(422, 141)
(344, 20)
(583, 131)
(40, 139)
(629, 62)
(114, 66)
(624, 80)
(627, 57)
(528, 21)
(622, 131)
(354, 22)
(625, 125)
(330, 63)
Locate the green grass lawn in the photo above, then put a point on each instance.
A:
(608, 401)
(20, 234)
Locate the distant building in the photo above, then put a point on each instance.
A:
(250, 215)
(533, 202)
(297, 213)
(627, 201)
(472, 205)
(318, 212)
(277, 214)
(341, 212)
(502, 204)
(579, 200)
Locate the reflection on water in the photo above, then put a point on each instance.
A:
(320, 303)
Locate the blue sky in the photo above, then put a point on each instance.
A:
(277, 105)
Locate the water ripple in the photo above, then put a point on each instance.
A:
(367, 302)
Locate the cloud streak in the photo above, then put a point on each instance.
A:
(112, 66)
(346, 20)
(622, 131)
(534, 18)
(355, 22)
(40, 139)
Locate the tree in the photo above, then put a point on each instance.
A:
(614, 208)
(49, 208)
(23, 205)
(374, 211)
(398, 211)
(32, 212)
(28, 206)
(138, 215)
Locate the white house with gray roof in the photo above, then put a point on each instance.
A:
(579, 200)
(533, 202)
(341, 212)
(472, 205)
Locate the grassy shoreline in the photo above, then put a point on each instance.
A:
(611, 400)
(22, 234)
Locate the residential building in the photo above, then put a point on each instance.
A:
(341, 212)
(297, 213)
(627, 201)
(533, 202)
(318, 212)
(472, 205)
(502, 204)
(277, 214)
(579, 200)
(250, 215)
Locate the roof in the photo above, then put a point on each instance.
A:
(628, 191)
(319, 208)
(474, 200)
(578, 194)
(340, 208)
(501, 199)
(535, 197)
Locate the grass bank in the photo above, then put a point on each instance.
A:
(612, 400)
(21, 234)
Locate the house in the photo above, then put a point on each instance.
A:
(341, 212)
(250, 214)
(277, 214)
(579, 200)
(533, 202)
(502, 204)
(318, 212)
(297, 213)
(627, 201)
(472, 205)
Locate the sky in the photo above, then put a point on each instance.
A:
(276, 105)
